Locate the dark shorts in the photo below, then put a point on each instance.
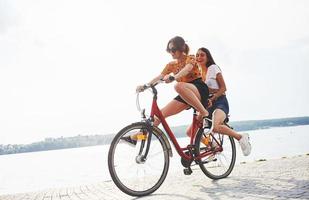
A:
(203, 90)
(221, 103)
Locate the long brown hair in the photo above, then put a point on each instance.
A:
(210, 60)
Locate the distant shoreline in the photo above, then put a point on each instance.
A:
(249, 125)
(179, 131)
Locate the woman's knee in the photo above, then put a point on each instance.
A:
(179, 86)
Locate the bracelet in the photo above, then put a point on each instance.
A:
(171, 78)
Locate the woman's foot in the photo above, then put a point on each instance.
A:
(206, 122)
(129, 140)
(244, 143)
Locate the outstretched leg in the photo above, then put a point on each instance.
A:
(172, 108)
(219, 127)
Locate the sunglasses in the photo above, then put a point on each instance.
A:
(200, 55)
(173, 50)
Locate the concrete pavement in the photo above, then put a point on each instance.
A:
(285, 178)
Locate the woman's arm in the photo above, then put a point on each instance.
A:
(156, 79)
(184, 71)
(212, 91)
(141, 88)
(222, 87)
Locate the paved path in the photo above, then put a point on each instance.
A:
(286, 178)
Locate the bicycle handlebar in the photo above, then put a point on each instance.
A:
(147, 86)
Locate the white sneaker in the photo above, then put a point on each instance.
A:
(244, 143)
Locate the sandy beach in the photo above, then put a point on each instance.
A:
(285, 178)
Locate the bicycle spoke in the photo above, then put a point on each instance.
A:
(221, 164)
(132, 174)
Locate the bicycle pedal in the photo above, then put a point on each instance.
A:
(187, 171)
(184, 162)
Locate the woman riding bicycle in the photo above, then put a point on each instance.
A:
(213, 77)
(141, 170)
(191, 88)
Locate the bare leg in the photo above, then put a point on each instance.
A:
(189, 130)
(172, 108)
(191, 95)
(219, 127)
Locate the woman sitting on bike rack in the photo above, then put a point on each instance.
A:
(212, 76)
(190, 86)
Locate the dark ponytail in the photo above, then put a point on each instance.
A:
(187, 49)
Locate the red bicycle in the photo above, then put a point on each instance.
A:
(140, 170)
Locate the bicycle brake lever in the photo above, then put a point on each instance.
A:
(171, 78)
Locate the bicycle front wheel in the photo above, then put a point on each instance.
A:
(138, 169)
(221, 154)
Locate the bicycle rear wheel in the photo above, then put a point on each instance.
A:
(220, 162)
(131, 172)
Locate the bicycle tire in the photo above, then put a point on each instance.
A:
(213, 166)
(134, 185)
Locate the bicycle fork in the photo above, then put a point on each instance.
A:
(142, 157)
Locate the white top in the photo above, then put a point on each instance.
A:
(211, 75)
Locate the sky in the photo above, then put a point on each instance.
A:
(71, 67)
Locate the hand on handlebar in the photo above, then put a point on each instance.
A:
(140, 88)
(209, 103)
(168, 78)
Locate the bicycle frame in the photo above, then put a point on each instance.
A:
(155, 111)
(148, 162)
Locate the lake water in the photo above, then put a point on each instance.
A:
(71, 167)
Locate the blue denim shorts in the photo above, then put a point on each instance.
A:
(221, 103)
